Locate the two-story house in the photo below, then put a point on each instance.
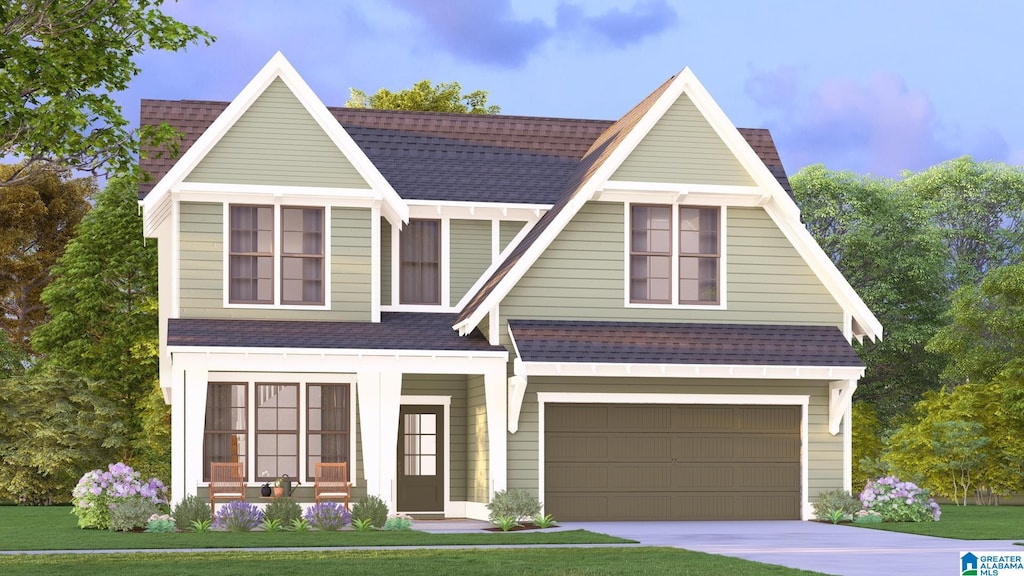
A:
(626, 318)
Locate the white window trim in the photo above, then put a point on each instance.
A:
(251, 379)
(801, 400)
(722, 276)
(277, 203)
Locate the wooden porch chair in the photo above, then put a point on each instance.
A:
(331, 482)
(227, 482)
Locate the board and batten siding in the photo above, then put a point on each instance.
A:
(453, 386)
(277, 142)
(469, 254)
(477, 451)
(201, 265)
(581, 277)
(825, 452)
(683, 147)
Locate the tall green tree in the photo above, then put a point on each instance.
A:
(442, 97)
(887, 248)
(37, 219)
(59, 63)
(986, 329)
(979, 208)
(103, 317)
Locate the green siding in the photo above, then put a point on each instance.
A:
(277, 142)
(476, 442)
(201, 263)
(455, 387)
(580, 276)
(385, 262)
(683, 147)
(470, 254)
(507, 231)
(825, 452)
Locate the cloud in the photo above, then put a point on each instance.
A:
(619, 27)
(877, 126)
(490, 33)
(484, 32)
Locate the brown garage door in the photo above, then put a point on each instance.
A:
(671, 462)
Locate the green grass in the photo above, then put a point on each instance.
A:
(966, 523)
(55, 528)
(457, 562)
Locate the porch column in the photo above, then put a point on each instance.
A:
(188, 424)
(379, 397)
(496, 397)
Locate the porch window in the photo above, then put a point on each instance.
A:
(277, 431)
(692, 262)
(327, 422)
(225, 436)
(420, 261)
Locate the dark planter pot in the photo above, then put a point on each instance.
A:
(265, 491)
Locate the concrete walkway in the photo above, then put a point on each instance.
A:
(838, 550)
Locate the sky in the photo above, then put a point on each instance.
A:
(874, 87)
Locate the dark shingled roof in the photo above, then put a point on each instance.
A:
(669, 343)
(396, 331)
(449, 157)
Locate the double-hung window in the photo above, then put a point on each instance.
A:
(675, 255)
(256, 275)
(225, 438)
(420, 262)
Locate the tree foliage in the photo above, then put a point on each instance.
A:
(37, 219)
(979, 208)
(104, 324)
(986, 329)
(890, 253)
(442, 97)
(60, 62)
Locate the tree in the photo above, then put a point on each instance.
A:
(37, 219)
(443, 97)
(103, 316)
(986, 329)
(60, 61)
(979, 207)
(885, 245)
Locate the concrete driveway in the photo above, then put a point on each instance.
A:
(839, 550)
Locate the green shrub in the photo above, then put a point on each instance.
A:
(285, 509)
(191, 509)
(867, 517)
(160, 523)
(373, 509)
(520, 505)
(833, 504)
(398, 523)
(131, 513)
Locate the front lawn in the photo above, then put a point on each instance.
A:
(56, 528)
(451, 562)
(966, 523)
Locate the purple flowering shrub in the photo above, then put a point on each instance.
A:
(98, 492)
(899, 501)
(327, 516)
(238, 516)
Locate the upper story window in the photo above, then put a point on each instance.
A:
(420, 262)
(253, 242)
(675, 255)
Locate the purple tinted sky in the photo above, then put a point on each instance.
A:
(870, 86)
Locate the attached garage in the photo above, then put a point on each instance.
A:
(672, 461)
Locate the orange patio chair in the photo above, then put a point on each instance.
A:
(331, 482)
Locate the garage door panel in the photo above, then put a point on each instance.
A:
(675, 470)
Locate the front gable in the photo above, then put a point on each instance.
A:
(277, 142)
(683, 147)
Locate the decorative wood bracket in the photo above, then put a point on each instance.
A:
(840, 394)
(516, 392)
